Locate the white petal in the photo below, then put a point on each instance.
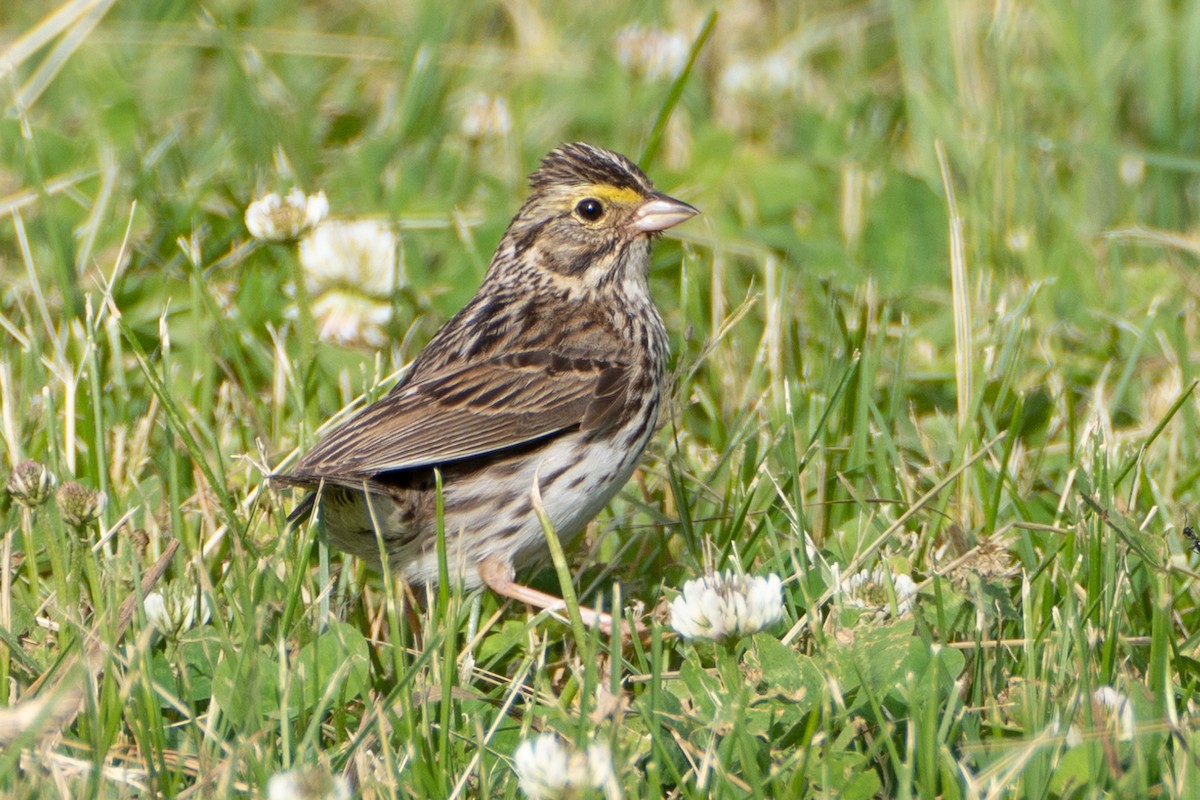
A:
(275, 219)
(720, 605)
(307, 784)
(259, 217)
(316, 209)
(1119, 708)
(359, 255)
(156, 611)
(485, 116)
(543, 766)
(345, 318)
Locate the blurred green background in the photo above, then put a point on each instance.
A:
(821, 388)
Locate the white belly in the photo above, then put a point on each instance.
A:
(573, 491)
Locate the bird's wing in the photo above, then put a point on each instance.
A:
(471, 411)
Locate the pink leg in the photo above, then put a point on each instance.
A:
(498, 575)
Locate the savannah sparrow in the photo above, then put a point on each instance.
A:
(552, 373)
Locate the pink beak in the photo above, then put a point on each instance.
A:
(661, 212)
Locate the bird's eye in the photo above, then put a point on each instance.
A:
(589, 209)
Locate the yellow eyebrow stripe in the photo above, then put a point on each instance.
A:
(614, 195)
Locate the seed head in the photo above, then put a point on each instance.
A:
(79, 504)
(141, 540)
(30, 483)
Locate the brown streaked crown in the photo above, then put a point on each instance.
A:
(582, 163)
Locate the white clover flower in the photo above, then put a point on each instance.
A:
(773, 75)
(312, 783)
(738, 77)
(1072, 737)
(172, 609)
(485, 116)
(1132, 170)
(356, 255)
(350, 319)
(1111, 711)
(906, 592)
(652, 53)
(726, 604)
(279, 219)
(868, 589)
(351, 269)
(1018, 239)
(781, 73)
(1117, 711)
(549, 769)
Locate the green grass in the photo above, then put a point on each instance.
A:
(1008, 419)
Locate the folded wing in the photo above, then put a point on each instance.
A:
(475, 410)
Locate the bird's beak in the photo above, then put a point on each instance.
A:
(660, 212)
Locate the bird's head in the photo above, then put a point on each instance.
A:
(590, 216)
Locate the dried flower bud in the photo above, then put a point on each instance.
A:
(140, 540)
(30, 483)
(80, 505)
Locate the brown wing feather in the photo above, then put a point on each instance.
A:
(607, 400)
(477, 409)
